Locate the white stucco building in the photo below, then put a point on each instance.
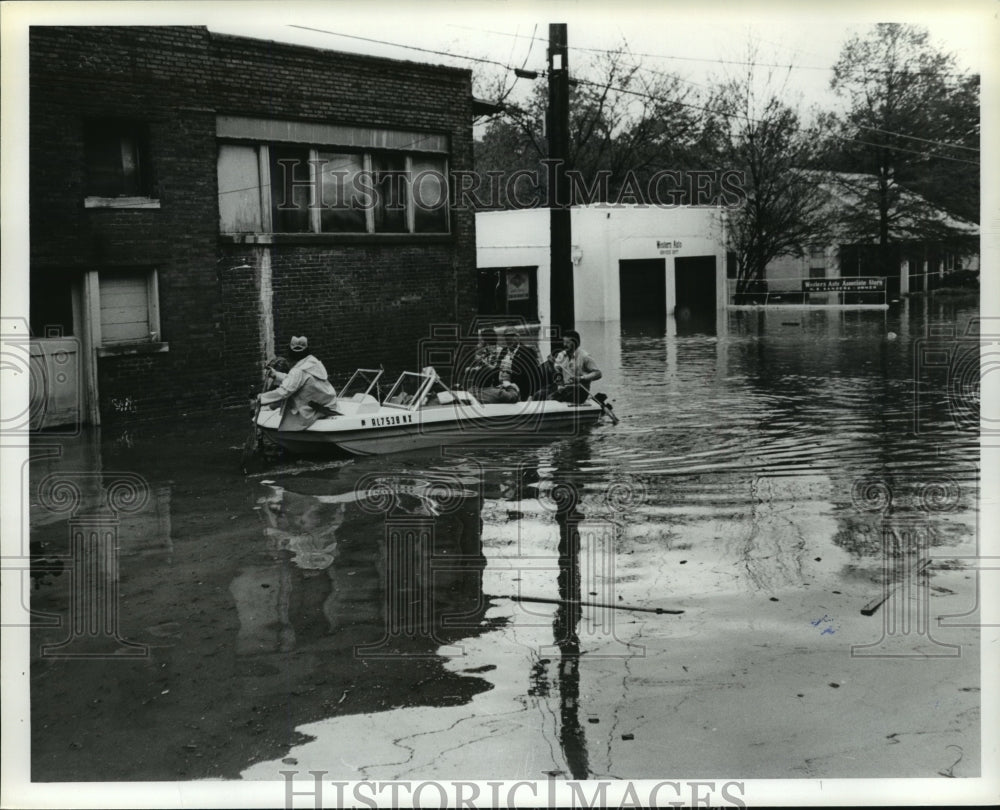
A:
(629, 262)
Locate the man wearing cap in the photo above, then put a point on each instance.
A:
(576, 368)
(305, 390)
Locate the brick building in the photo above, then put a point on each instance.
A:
(197, 198)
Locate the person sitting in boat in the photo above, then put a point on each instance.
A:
(519, 364)
(482, 371)
(304, 391)
(574, 370)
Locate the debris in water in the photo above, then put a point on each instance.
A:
(835, 685)
(774, 598)
(593, 720)
(628, 736)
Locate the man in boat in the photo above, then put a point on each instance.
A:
(482, 372)
(519, 364)
(304, 392)
(574, 369)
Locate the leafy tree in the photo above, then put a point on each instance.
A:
(912, 124)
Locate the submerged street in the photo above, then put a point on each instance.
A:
(491, 612)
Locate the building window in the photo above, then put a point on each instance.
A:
(341, 197)
(429, 189)
(390, 183)
(817, 252)
(322, 190)
(509, 291)
(117, 161)
(125, 310)
(817, 272)
(291, 189)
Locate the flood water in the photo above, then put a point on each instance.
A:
(492, 612)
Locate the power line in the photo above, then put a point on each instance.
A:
(922, 140)
(532, 38)
(640, 94)
(844, 138)
(519, 73)
(944, 144)
(727, 61)
(408, 47)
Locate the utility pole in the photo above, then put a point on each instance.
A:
(560, 234)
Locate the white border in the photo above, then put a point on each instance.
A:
(15, 19)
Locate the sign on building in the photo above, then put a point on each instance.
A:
(821, 285)
(518, 286)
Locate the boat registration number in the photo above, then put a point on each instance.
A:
(401, 419)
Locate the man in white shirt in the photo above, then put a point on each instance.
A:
(577, 370)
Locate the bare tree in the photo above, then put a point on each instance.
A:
(784, 211)
(626, 122)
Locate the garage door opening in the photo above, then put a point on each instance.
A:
(642, 285)
(695, 295)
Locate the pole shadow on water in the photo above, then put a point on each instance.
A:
(568, 613)
(565, 627)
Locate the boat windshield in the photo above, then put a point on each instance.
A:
(409, 391)
(362, 381)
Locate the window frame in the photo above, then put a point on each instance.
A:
(153, 343)
(142, 196)
(267, 218)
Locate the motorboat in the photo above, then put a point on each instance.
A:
(421, 411)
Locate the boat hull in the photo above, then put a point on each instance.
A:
(397, 430)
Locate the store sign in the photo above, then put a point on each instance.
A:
(668, 247)
(518, 286)
(818, 285)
